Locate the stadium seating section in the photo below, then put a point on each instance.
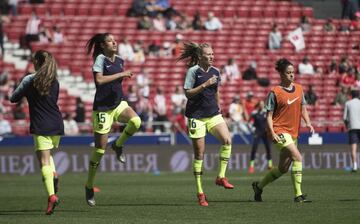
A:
(247, 24)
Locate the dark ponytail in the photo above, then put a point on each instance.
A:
(282, 64)
(95, 44)
(192, 53)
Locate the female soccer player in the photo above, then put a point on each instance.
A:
(203, 111)
(285, 106)
(109, 104)
(46, 124)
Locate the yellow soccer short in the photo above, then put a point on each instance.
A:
(287, 139)
(198, 127)
(46, 142)
(103, 120)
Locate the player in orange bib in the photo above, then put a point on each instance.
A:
(285, 107)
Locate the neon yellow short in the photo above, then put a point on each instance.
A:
(103, 120)
(46, 142)
(198, 127)
(286, 140)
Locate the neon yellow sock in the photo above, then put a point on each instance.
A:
(197, 165)
(48, 176)
(270, 177)
(93, 165)
(225, 152)
(252, 163)
(132, 126)
(296, 177)
(270, 163)
(52, 164)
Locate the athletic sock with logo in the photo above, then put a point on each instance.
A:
(197, 165)
(93, 165)
(225, 152)
(296, 177)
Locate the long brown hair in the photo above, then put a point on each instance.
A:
(46, 71)
(95, 43)
(192, 53)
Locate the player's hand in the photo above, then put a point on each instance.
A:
(211, 81)
(312, 130)
(276, 138)
(127, 74)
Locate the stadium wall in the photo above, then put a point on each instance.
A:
(156, 158)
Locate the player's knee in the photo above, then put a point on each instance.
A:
(227, 141)
(136, 122)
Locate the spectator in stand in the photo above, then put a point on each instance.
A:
(232, 70)
(5, 127)
(139, 55)
(159, 23)
(329, 26)
(132, 96)
(250, 73)
(178, 101)
(31, 31)
(154, 48)
(357, 82)
(352, 121)
(310, 96)
(344, 65)
(197, 23)
(143, 82)
(138, 8)
(305, 24)
(171, 23)
(333, 67)
(155, 7)
(57, 36)
(355, 23)
(3, 19)
(305, 67)
(13, 7)
(144, 110)
(348, 78)
(145, 23)
(275, 38)
(349, 8)
(166, 50)
(238, 116)
(80, 111)
(183, 23)
(341, 97)
(126, 51)
(318, 71)
(177, 45)
(249, 102)
(212, 23)
(44, 35)
(70, 126)
(160, 109)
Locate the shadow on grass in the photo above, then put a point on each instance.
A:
(36, 212)
(141, 204)
(349, 200)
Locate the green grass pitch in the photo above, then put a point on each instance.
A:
(170, 198)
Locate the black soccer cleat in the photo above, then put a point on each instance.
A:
(257, 192)
(90, 196)
(119, 152)
(301, 199)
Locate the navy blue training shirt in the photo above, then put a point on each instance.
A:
(109, 95)
(45, 116)
(204, 104)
